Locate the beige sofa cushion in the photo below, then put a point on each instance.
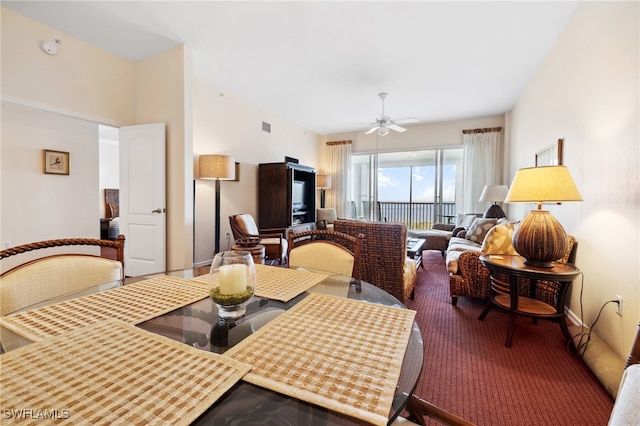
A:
(410, 271)
(464, 220)
(457, 246)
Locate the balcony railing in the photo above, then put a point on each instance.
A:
(415, 215)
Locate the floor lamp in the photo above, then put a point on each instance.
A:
(217, 167)
(323, 182)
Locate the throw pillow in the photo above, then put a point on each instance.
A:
(465, 220)
(498, 240)
(479, 228)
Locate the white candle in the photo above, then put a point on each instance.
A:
(233, 279)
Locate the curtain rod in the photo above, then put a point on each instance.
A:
(339, 143)
(485, 130)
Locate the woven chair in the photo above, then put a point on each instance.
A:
(472, 279)
(383, 260)
(419, 410)
(325, 251)
(244, 227)
(56, 275)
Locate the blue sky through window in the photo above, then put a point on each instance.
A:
(393, 183)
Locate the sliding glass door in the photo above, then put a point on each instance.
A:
(418, 188)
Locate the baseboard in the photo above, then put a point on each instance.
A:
(203, 263)
(603, 361)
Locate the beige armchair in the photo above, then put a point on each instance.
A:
(243, 227)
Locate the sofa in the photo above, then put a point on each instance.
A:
(467, 276)
(383, 260)
(437, 238)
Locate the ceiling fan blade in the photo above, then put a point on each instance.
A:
(406, 120)
(397, 128)
(371, 130)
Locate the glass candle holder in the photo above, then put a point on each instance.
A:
(232, 280)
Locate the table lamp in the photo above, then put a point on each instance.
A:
(495, 194)
(323, 182)
(217, 167)
(540, 238)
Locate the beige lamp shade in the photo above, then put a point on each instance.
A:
(222, 167)
(543, 184)
(323, 182)
(540, 238)
(494, 193)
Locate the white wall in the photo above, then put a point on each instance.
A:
(587, 91)
(38, 206)
(163, 95)
(227, 124)
(81, 79)
(43, 107)
(161, 88)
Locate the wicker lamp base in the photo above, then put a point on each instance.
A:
(540, 239)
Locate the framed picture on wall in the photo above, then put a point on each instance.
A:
(56, 162)
(551, 155)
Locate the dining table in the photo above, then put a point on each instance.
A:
(320, 331)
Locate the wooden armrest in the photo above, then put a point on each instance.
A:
(271, 233)
(418, 408)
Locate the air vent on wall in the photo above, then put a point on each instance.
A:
(266, 127)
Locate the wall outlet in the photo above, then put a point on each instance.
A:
(619, 308)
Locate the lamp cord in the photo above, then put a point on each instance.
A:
(585, 338)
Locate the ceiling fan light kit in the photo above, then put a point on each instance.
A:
(384, 123)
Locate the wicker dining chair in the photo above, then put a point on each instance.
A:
(325, 251)
(56, 275)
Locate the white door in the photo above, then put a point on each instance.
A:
(142, 198)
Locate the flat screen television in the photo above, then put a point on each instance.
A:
(298, 199)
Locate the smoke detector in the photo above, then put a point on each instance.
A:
(50, 47)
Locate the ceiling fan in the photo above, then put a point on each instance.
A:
(383, 122)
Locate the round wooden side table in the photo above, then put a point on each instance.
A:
(257, 252)
(506, 293)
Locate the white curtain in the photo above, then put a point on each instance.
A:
(482, 165)
(339, 168)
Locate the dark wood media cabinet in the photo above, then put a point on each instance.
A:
(286, 196)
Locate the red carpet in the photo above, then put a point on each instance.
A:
(468, 371)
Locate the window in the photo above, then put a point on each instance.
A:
(414, 187)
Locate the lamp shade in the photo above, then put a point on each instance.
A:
(494, 193)
(540, 238)
(220, 167)
(323, 182)
(543, 184)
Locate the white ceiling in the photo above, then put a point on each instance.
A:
(322, 64)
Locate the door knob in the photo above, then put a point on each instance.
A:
(156, 211)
